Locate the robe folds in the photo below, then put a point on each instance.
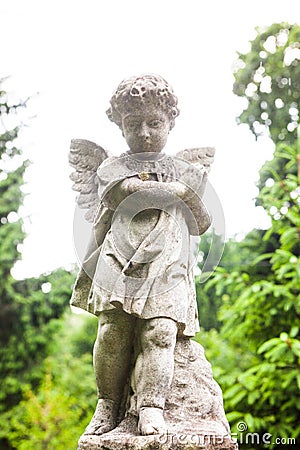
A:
(144, 247)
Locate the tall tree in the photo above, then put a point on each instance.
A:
(268, 78)
(28, 311)
(261, 314)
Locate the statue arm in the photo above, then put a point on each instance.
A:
(168, 193)
(185, 191)
(134, 184)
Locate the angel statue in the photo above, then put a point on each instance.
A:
(137, 275)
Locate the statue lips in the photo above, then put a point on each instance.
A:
(146, 145)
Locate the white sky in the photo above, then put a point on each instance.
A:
(71, 55)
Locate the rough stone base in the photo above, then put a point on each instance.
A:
(194, 412)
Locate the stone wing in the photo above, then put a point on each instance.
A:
(202, 156)
(85, 157)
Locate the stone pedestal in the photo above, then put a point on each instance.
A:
(194, 412)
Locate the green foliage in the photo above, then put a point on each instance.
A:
(236, 257)
(46, 420)
(279, 188)
(208, 304)
(28, 322)
(28, 316)
(260, 300)
(260, 314)
(226, 360)
(269, 78)
(55, 415)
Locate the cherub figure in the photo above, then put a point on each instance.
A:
(137, 276)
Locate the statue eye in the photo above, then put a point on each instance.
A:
(132, 125)
(155, 123)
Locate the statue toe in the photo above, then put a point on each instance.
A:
(151, 421)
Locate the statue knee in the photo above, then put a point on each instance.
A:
(159, 332)
(114, 327)
(106, 335)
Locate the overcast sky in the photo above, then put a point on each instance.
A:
(69, 56)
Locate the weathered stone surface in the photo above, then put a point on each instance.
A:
(127, 441)
(155, 386)
(194, 412)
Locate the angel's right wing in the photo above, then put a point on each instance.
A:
(85, 157)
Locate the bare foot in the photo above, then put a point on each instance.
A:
(104, 418)
(151, 421)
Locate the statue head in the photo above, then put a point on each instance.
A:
(145, 108)
(141, 92)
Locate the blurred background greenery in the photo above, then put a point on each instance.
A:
(249, 308)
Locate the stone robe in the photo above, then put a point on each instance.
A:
(144, 247)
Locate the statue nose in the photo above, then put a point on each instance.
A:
(144, 131)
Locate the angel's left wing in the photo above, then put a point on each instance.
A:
(85, 157)
(200, 160)
(195, 177)
(202, 156)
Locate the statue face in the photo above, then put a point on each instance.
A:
(146, 129)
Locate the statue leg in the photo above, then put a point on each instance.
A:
(154, 372)
(112, 359)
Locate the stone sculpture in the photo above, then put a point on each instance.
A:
(137, 277)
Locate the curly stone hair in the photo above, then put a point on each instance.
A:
(145, 89)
